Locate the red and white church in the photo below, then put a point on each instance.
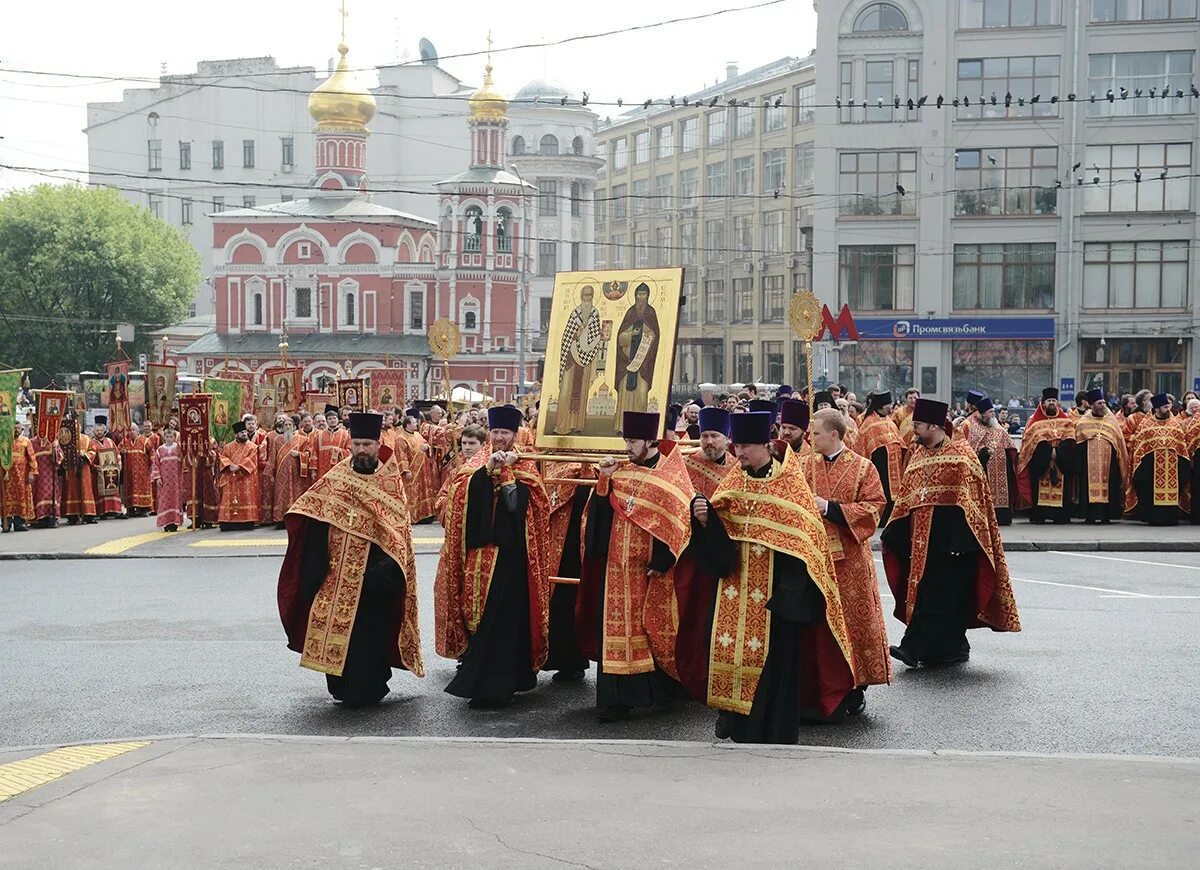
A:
(352, 285)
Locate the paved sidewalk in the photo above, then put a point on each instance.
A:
(385, 802)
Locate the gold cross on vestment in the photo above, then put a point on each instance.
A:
(353, 514)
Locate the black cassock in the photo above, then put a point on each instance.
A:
(365, 675)
(1143, 485)
(648, 689)
(1039, 465)
(497, 663)
(564, 654)
(795, 602)
(937, 631)
(1105, 511)
(879, 458)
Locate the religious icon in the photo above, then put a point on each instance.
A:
(352, 397)
(54, 407)
(577, 364)
(282, 392)
(386, 399)
(222, 414)
(6, 404)
(637, 349)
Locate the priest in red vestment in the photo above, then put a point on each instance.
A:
(19, 478)
(332, 443)
(238, 482)
(288, 457)
(166, 470)
(708, 466)
(107, 476)
(1101, 462)
(1046, 463)
(136, 450)
(347, 590)
(880, 441)
(47, 485)
(79, 480)
(998, 455)
(1160, 467)
(412, 447)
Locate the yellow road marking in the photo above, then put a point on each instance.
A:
(120, 545)
(29, 773)
(209, 543)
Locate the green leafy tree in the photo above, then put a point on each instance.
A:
(75, 262)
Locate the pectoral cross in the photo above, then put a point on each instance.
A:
(629, 505)
(353, 514)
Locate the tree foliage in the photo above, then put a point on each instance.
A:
(74, 262)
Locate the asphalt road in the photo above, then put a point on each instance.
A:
(99, 650)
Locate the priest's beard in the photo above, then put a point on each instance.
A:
(364, 464)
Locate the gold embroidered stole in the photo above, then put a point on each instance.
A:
(1166, 441)
(997, 441)
(1055, 430)
(1103, 437)
(878, 432)
(706, 476)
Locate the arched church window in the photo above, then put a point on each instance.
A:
(258, 309)
(880, 16)
(469, 320)
(548, 145)
(518, 145)
(577, 145)
(349, 309)
(472, 240)
(504, 231)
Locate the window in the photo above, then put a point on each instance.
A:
(802, 222)
(618, 201)
(349, 315)
(470, 320)
(714, 301)
(1167, 72)
(1135, 275)
(504, 230)
(714, 238)
(846, 91)
(880, 16)
(641, 196)
(805, 99)
(548, 145)
(1003, 276)
(802, 175)
(547, 197)
(1104, 11)
(992, 78)
(154, 203)
(1118, 191)
(714, 181)
(185, 156)
(867, 183)
(774, 118)
(689, 187)
(689, 134)
(576, 259)
(876, 277)
(154, 147)
(772, 233)
(641, 248)
(285, 197)
(743, 361)
(799, 281)
(716, 128)
(618, 258)
(688, 248)
(600, 207)
(473, 229)
(248, 202)
(1002, 368)
(881, 85)
(218, 204)
(1127, 365)
(576, 199)
(287, 151)
(743, 122)
(772, 362)
(774, 169)
(1005, 181)
(304, 250)
(416, 310)
(871, 365)
(303, 302)
(662, 242)
(185, 211)
(743, 235)
(545, 311)
(664, 138)
(620, 154)
(577, 145)
(687, 309)
(518, 146)
(743, 175)
(641, 147)
(547, 258)
(247, 153)
(664, 189)
(975, 14)
(257, 310)
(218, 158)
(772, 304)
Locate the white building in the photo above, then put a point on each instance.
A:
(1039, 239)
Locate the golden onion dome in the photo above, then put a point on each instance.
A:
(338, 103)
(487, 103)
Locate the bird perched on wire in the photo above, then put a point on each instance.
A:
(900, 189)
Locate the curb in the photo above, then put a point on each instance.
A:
(75, 557)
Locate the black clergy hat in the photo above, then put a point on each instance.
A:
(784, 388)
(984, 405)
(795, 413)
(715, 420)
(761, 405)
(1049, 393)
(331, 409)
(365, 425)
(875, 401)
(930, 411)
(237, 427)
(101, 420)
(751, 428)
(640, 425)
(823, 396)
(973, 396)
(505, 417)
(413, 412)
(1159, 401)
(1096, 395)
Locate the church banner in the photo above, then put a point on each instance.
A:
(246, 378)
(160, 392)
(117, 393)
(315, 402)
(388, 388)
(52, 406)
(610, 348)
(352, 394)
(226, 402)
(10, 383)
(284, 385)
(193, 424)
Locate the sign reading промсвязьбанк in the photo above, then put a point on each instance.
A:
(968, 328)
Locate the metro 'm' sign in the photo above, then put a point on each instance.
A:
(841, 329)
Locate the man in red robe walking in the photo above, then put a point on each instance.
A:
(18, 485)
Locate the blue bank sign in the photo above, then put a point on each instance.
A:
(965, 328)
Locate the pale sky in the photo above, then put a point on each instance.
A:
(41, 117)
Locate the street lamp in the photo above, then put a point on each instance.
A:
(522, 300)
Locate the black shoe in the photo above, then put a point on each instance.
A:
(856, 702)
(900, 655)
(19, 526)
(171, 528)
(91, 521)
(489, 703)
(614, 713)
(567, 676)
(279, 527)
(72, 521)
(1038, 522)
(1106, 522)
(949, 661)
(721, 727)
